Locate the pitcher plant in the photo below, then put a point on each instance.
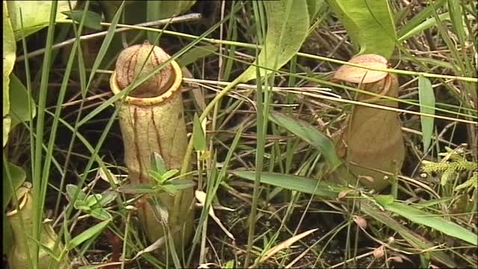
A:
(152, 123)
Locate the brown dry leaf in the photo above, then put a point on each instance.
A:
(361, 222)
(378, 252)
(361, 75)
(343, 194)
(286, 244)
(397, 259)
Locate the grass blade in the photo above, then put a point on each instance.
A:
(311, 135)
(424, 218)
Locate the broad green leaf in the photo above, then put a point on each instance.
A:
(168, 9)
(295, 183)
(288, 23)
(19, 101)
(199, 138)
(311, 135)
(424, 218)
(30, 16)
(90, 233)
(9, 50)
(313, 6)
(195, 54)
(92, 19)
(156, 10)
(426, 97)
(369, 23)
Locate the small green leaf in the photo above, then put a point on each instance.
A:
(199, 138)
(427, 106)
(101, 214)
(178, 182)
(92, 19)
(144, 188)
(169, 174)
(157, 163)
(93, 199)
(170, 189)
(156, 176)
(384, 199)
(107, 198)
(72, 190)
(311, 135)
(430, 220)
(90, 233)
(81, 205)
(181, 185)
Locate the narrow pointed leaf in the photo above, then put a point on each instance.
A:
(295, 183)
(427, 106)
(90, 233)
(311, 135)
(430, 220)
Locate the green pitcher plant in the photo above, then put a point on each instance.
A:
(153, 128)
(20, 218)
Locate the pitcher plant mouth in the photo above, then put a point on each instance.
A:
(22, 199)
(174, 88)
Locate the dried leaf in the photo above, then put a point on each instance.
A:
(361, 222)
(201, 197)
(286, 244)
(378, 252)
